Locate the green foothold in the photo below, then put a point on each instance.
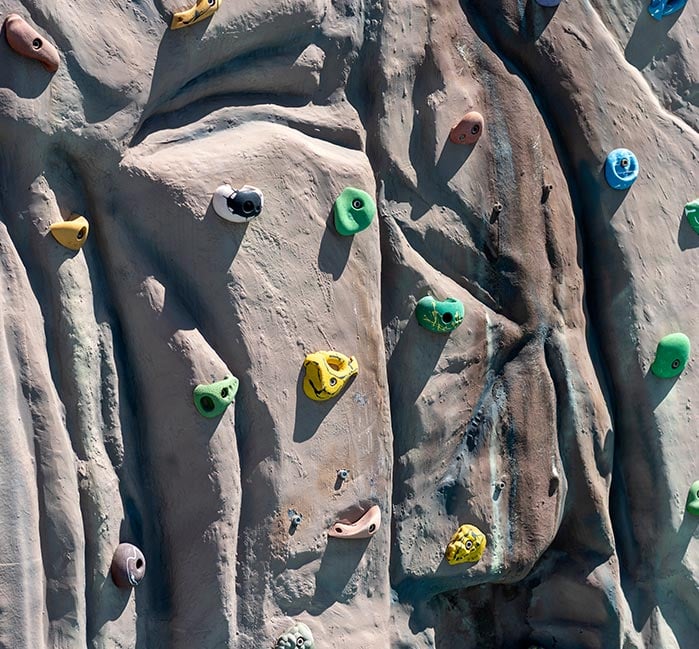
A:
(693, 499)
(212, 399)
(671, 356)
(354, 211)
(691, 211)
(440, 317)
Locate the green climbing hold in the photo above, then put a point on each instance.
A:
(671, 356)
(693, 499)
(354, 211)
(212, 399)
(691, 211)
(440, 317)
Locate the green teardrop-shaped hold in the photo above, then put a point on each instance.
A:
(354, 211)
(440, 317)
(671, 356)
(693, 499)
(691, 211)
(211, 400)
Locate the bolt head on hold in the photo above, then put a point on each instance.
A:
(27, 42)
(298, 636)
(671, 356)
(71, 234)
(202, 10)
(128, 566)
(468, 130)
(692, 506)
(327, 373)
(466, 546)
(212, 399)
(691, 211)
(440, 317)
(295, 518)
(343, 474)
(621, 169)
(354, 210)
(238, 205)
(661, 8)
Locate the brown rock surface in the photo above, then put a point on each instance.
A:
(536, 420)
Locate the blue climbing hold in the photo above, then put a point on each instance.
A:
(661, 8)
(621, 169)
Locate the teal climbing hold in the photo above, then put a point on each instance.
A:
(693, 499)
(354, 211)
(671, 356)
(298, 636)
(621, 169)
(691, 211)
(440, 317)
(661, 8)
(211, 400)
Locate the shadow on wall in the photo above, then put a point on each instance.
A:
(649, 37)
(686, 237)
(334, 249)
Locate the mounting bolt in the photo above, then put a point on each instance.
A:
(343, 474)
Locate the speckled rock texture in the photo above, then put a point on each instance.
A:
(537, 420)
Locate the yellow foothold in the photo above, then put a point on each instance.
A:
(466, 546)
(326, 373)
(202, 10)
(71, 234)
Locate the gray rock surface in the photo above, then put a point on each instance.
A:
(536, 420)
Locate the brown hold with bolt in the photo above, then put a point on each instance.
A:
(469, 129)
(27, 42)
(364, 528)
(128, 566)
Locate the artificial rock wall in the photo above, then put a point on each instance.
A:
(537, 419)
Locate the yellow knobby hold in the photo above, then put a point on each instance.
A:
(202, 10)
(326, 374)
(467, 545)
(71, 234)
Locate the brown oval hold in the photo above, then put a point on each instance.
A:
(469, 129)
(364, 528)
(27, 42)
(128, 566)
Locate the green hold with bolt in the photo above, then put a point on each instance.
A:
(691, 211)
(354, 211)
(212, 400)
(441, 317)
(693, 499)
(671, 356)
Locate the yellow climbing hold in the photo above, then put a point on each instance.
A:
(71, 234)
(326, 373)
(467, 545)
(202, 10)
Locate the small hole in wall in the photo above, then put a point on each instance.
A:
(553, 486)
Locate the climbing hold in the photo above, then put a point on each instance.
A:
(202, 10)
(298, 636)
(212, 399)
(693, 499)
(128, 566)
(661, 8)
(440, 317)
(468, 130)
(295, 518)
(364, 528)
(71, 234)
(27, 42)
(671, 356)
(548, 3)
(326, 373)
(467, 545)
(354, 211)
(238, 205)
(546, 192)
(343, 474)
(691, 211)
(621, 169)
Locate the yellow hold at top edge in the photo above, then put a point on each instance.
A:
(202, 10)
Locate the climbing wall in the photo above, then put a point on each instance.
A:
(343, 322)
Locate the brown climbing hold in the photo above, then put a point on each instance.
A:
(26, 41)
(468, 130)
(128, 566)
(364, 528)
(71, 234)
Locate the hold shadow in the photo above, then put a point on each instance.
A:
(537, 19)
(647, 37)
(687, 238)
(334, 250)
(28, 78)
(657, 388)
(452, 157)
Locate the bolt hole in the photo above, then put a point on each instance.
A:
(81, 233)
(224, 393)
(372, 528)
(333, 381)
(139, 563)
(207, 403)
(475, 129)
(37, 43)
(248, 207)
(624, 162)
(675, 363)
(447, 317)
(553, 486)
(338, 530)
(357, 204)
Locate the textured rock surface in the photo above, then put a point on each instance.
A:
(536, 420)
